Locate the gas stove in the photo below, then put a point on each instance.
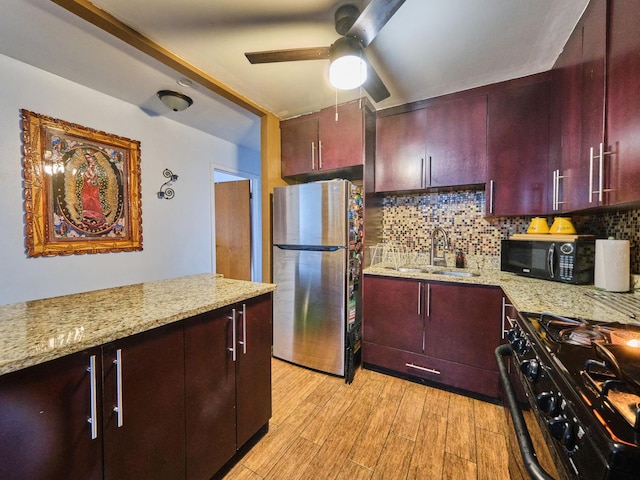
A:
(582, 380)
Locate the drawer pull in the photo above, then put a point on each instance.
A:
(424, 369)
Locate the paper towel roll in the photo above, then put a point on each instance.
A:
(612, 265)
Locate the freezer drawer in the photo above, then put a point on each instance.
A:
(309, 313)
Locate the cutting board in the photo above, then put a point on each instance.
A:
(548, 237)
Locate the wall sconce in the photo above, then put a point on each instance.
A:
(165, 189)
(174, 100)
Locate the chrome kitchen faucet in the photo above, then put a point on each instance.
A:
(439, 261)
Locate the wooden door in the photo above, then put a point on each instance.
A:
(44, 431)
(623, 102)
(299, 145)
(233, 229)
(518, 151)
(567, 89)
(392, 313)
(592, 107)
(150, 441)
(457, 142)
(400, 152)
(253, 370)
(342, 138)
(464, 325)
(210, 393)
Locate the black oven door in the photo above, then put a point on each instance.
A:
(525, 443)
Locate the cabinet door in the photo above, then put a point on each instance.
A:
(210, 392)
(392, 313)
(299, 145)
(464, 324)
(623, 102)
(518, 150)
(149, 440)
(457, 142)
(572, 166)
(253, 377)
(400, 152)
(593, 93)
(341, 138)
(44, 431)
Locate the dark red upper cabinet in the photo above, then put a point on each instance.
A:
(623, 102)
(441, 145)
(518, 149)
(325, 142)
(457, 142)
(401, 151)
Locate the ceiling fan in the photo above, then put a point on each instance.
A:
(357, 31)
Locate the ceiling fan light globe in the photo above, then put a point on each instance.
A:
(347, 72)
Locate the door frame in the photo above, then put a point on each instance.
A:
(256, 217)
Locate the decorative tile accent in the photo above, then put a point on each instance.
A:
(408, 220)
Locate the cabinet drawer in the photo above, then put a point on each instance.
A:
(457, 375)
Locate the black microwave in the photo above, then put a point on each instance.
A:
(557, 260)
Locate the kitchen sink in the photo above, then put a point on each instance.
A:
(409, 269)
(455, 273)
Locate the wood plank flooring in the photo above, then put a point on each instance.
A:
(379, 427)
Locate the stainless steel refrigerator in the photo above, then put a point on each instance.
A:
(317, 263)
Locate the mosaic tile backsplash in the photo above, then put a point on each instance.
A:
(408, 220)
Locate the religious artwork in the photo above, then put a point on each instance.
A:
(81, 189)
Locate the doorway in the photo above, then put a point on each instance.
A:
(237, 241)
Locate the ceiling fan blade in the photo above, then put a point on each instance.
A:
(291, 55)
(374, 86)
(374, 16)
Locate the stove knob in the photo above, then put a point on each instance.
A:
(549, 403)
(520, 346)
(531, 369)
(563, 430)
(512, 335)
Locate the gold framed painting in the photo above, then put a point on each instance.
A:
(81, 189)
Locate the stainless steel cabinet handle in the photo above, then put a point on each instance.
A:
(118, 408)
(591, 175)
(424, 369)
(319, 154)
(428, 299)
(554, 200)
(491, 188)
(423, 173)
(243, 342)
(601, 172)
(419, 298)
(429, 183)
(313, 155)
(93, 420)
(505, 318)
(232, 349)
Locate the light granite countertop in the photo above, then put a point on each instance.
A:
(527, 294)
(37, 331)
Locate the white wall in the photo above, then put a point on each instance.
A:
(177, 233)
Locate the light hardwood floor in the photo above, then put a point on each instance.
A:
(379, 427)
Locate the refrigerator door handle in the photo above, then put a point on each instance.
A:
(308, 248)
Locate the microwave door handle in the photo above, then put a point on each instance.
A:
(551, 254)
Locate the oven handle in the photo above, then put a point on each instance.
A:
(522, 434)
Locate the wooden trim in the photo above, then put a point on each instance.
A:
(105, 21)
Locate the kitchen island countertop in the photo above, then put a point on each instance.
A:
(36, 331)
(526, 294)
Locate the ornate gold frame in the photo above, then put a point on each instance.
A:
(81, 189)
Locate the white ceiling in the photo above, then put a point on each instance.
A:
(428, 48)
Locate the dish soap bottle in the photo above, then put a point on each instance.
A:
(459, 259)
